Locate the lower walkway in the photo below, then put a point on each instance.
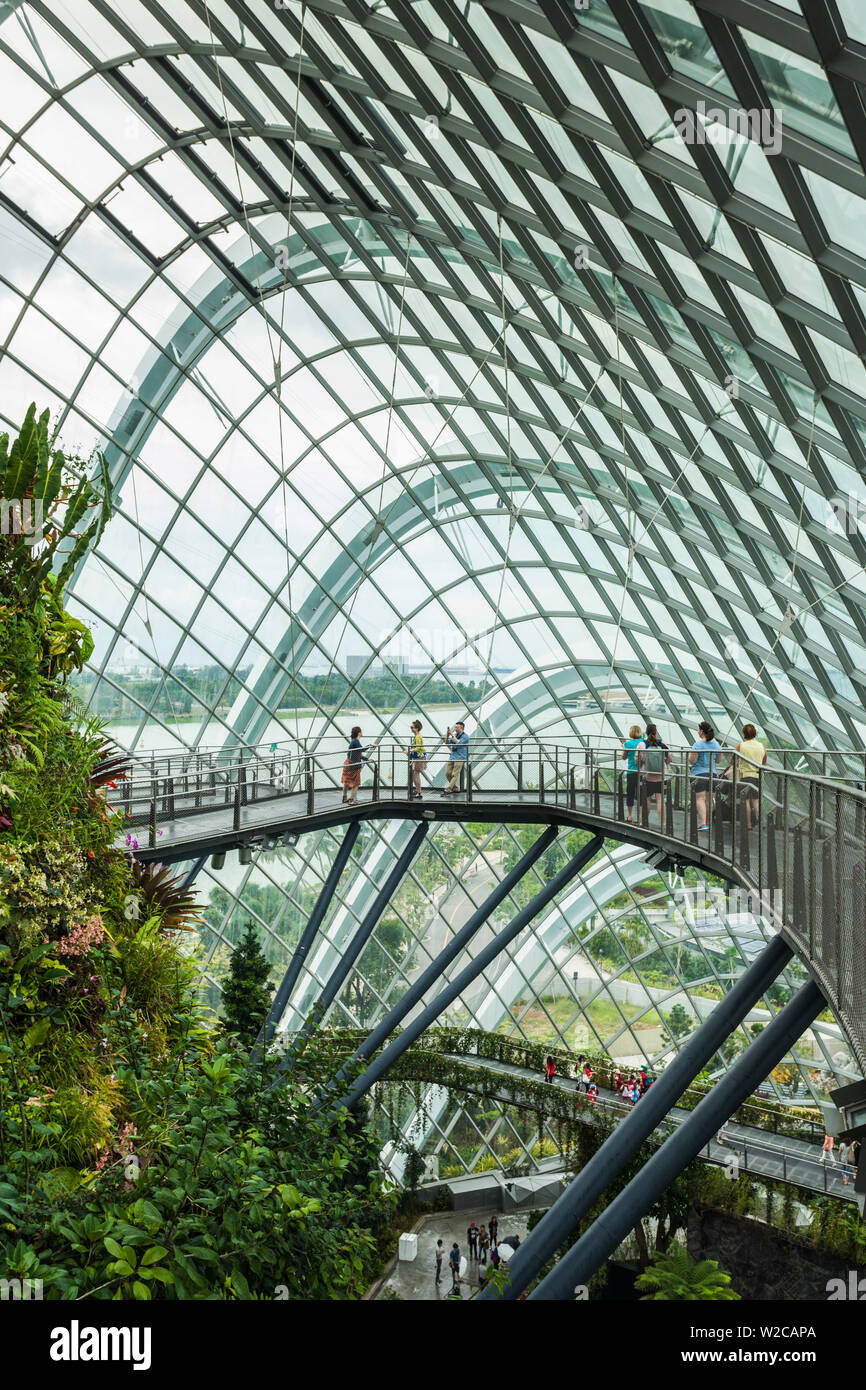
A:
(766, 1155)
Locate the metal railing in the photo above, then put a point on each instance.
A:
(796, 839)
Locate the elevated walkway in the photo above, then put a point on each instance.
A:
(803, 862)
(756, 1151)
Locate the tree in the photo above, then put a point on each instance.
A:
(674, 1276)
(246, 993)
(677, 1024)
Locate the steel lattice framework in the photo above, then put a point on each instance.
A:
(423, 317)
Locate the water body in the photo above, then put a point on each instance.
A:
(157, 737)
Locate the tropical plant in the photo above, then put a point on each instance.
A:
(246, 992)
(673, 1275)
(160, 894)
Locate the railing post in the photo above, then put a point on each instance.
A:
(556, 774)
(620, 800)
(151, 833)
(376, 780)
(596, 793)
(308, 774)
(742, 815)
(799, 874)
(813, 875)
(409, 784)
(236, 817)
(540, 777)
(520, 769)
(169, 787)
(573, 790)
(644, 800)
(669, 808)
(468, 780)
(772, 863)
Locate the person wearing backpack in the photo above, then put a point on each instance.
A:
(653, 758)
(702, 769)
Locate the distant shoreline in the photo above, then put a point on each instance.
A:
(277, 714)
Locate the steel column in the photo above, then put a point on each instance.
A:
(437, 967)
(614, 1224)
(362, 935)
(455, 987)
(649, 1112)
(308, 936)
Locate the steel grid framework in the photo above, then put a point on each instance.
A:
(662, 530)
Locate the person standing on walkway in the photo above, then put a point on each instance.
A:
(417, 758)
(355, 754)
(702, 769)
(629, 751)
(827, 1150)
(844, 1151)
(494, 1229)
(752, 751)
(454, 1265)
(653, 758)
(549, 1068)
(483, 1244)
(472, 1240)
(440, 1255)
(458, 752)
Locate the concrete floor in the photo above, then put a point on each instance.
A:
(415, 1280)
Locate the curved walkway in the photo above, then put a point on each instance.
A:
(785, 1159)
(804, 859)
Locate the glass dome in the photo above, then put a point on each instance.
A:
(440, 369)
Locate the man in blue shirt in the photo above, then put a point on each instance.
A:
(703, 769)
(458, 751)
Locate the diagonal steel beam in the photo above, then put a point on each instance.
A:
(558, 1223)
(446, 996)
(437, 967)
(614, 1224)
(308, 936)
(359, 940)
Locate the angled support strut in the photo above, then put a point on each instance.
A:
(630, 1133)
(344, 965)
(437, 967)
(308, 936)
(750, 1069)
(455, 988)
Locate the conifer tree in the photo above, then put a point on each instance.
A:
(246, 992)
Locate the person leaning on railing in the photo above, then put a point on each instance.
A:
(628, 748)
(753, 755)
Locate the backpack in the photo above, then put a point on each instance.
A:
(654, 759)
